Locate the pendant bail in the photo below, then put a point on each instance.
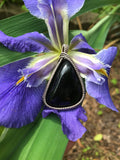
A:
(65, 48)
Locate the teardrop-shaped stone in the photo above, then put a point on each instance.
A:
(65, 88)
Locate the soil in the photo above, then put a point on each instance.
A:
(101, 120)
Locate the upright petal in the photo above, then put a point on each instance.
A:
(29, 42)
(71, 125)
(56, 14)
(32, 5)
(80, 44)
(19, 104)
(72, 7)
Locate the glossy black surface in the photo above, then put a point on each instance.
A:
(65, 88)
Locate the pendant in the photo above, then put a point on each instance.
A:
(65, 88)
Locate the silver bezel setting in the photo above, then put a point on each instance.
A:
(64, 55)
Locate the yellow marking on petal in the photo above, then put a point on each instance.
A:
(102, 71)
(20, 80)
(23, 78)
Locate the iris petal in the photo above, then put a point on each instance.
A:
(33, 42)
(107, 56)
(56, 14)
(88, 65)
(80, 44)
(101, 93)
(72, 7)
(70, 121)
(19, 104)
(32, 6)
(39, 68)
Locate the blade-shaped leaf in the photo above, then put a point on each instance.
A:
(93, 4)
(97, 35)
(8, 56)
(1, 130)
(42, 139)
(23, 23)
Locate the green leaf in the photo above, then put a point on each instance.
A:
(119, 125)
(101, 106)
(93, 4)
(100, 112)
(23, 23)
(42, 139)
(1, 130)
(8, 56)
(86, 149)
(97, 35)
(98, 137)
(114, 81)
(117, 91)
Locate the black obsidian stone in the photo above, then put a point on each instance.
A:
(65, 88)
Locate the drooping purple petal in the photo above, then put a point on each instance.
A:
(101, 93)
(71, 125)
(79, 43)
(9, 73)
(33, 42)
(19, 105)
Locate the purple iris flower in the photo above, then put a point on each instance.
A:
(22, 83)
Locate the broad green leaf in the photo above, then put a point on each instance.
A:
(97, 35)
(8, 56)
(23, 23)
(42, 139)
(93, 4)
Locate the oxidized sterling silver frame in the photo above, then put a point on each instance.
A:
(64, 55)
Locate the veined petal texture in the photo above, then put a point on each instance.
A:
(39, 68)
(19, 104)
(32, 42)
(71, 125)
